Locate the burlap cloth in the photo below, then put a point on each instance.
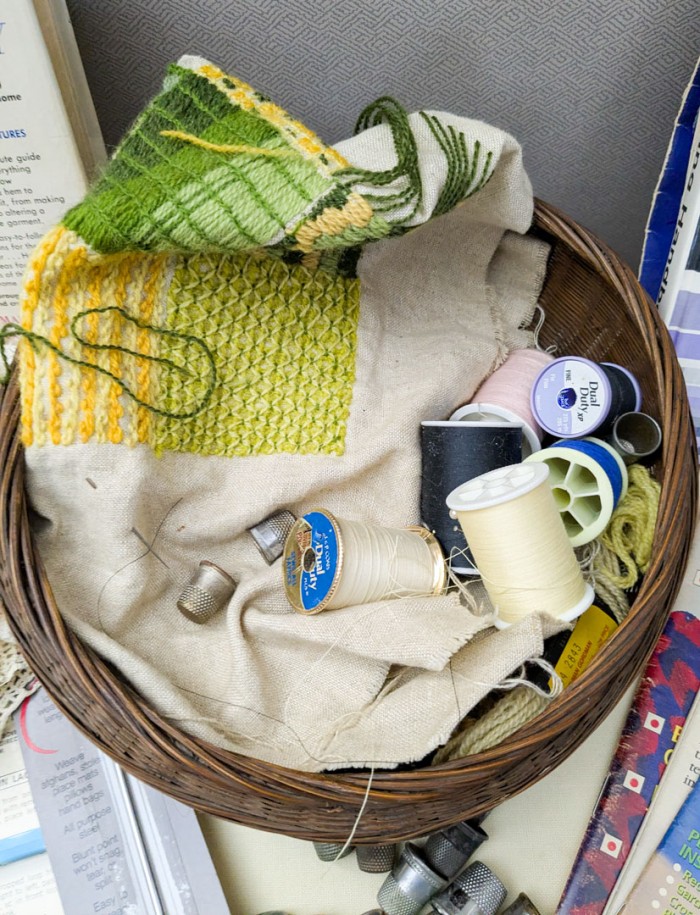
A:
(314, 332)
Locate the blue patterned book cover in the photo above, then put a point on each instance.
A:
(670, 883)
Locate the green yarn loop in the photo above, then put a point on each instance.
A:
(386, 110)
(36, 340)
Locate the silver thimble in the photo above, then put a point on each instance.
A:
(449, 850)
(329, 851)
(477, 891)
(270, 535)
(635, 436)
(523, 905)
(410, 884)
(375, 859)
(209, 590)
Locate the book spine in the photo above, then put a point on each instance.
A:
(682, 240)
(669, 190)
(653, 725)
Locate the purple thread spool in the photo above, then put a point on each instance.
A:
(573, 397)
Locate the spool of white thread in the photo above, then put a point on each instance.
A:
(520, 545)
(330, 563)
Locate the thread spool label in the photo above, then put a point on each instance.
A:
(311, 561)
(571, 397)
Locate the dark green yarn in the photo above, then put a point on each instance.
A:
(461, 167)
(36, 340)
(386, 110)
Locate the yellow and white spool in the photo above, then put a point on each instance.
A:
(520, 545)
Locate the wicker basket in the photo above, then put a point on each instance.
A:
(594, 307)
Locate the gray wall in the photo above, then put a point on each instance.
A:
(589, 87)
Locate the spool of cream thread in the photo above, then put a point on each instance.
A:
(330, 563)
(519, 543)
(505, 395)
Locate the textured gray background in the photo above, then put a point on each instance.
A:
(590, 89)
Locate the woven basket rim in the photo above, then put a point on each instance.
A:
(160, 754)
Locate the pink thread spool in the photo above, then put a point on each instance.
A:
(506, 395)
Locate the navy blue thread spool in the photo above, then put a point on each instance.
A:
(573, 397)
(453, 453)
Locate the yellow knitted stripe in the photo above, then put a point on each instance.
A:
(153, 293)
(122, 277)
(356, 213)
(75, 296)
(58, 332)
(41, 324)
(29, 303)
(89, 378)
(129, 365)
(296, 133)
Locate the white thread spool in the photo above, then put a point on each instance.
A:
(520, 545)
(330, 563)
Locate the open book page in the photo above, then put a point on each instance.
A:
(41, 171)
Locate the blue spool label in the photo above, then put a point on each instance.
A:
(312, 561)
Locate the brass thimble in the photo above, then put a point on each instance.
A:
(270, 535)
(208, 591)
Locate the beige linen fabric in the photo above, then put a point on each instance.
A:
(123, 530)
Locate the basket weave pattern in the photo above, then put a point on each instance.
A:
(595, 308)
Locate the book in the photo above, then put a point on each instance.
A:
(652, 730)
(50, 143)
(678, 780)
(663, 214)
(20, 835)
(670, 883)
(115, 844)
(28, 887)
(27, 884)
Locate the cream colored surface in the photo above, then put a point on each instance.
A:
(533, 839)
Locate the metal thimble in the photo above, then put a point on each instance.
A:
(410, 884)
(449, 850)
(523, 905)
(270, 535)
(477, 891)
(375, 859)
(329, 851)
(208, 591)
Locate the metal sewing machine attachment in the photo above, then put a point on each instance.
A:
(523, 905)
(448, 850)
(331, 851)
(411, 884)
(476, 891)
(270, 534)
(375, 859)
(208, 591)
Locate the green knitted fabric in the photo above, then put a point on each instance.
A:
(162, 194)
(221, 313)
(211, 165)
